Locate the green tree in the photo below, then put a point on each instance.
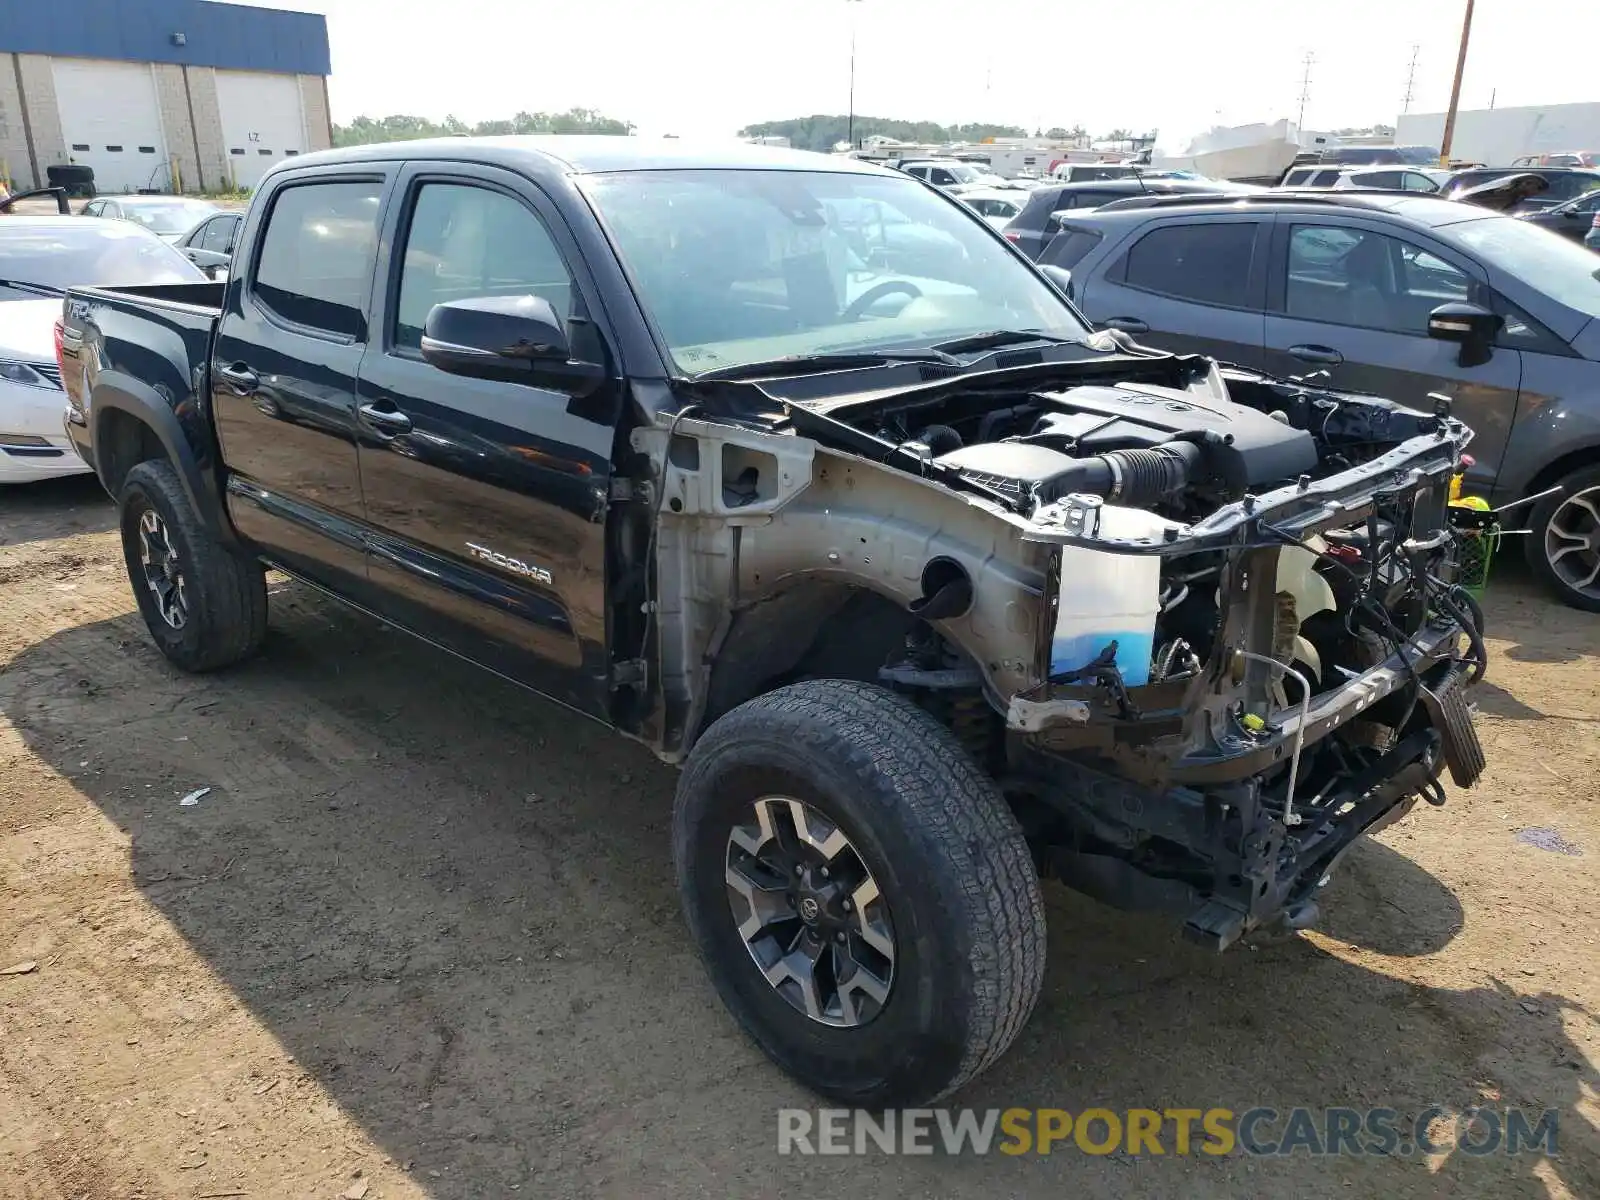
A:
(823, 131)
(364, 130)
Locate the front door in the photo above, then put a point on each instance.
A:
(486, 500)
(1353, 301)
(283, 375)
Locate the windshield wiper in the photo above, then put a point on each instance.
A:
(817, 364)
(22, 285)
(995, 338)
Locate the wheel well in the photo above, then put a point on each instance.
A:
(122, 441)
(1565, 465)
(815, 629)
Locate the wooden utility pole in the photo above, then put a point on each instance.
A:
(1455, 89)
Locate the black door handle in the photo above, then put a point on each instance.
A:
(1127, 324)
(390, 421)
(240, 378)
(1324, 356)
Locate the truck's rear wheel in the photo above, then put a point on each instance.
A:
(861, 895)
(205, 606)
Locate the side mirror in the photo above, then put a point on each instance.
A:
(1060, 278)
(514, 338)
(1472, 326)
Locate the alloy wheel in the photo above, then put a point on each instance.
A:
(1572, 542)
(810, 912)
(159, 559)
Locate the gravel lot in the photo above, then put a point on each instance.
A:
(421, 937)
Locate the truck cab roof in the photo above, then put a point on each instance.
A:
(586, 154)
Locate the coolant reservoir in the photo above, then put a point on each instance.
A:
(1106, 597)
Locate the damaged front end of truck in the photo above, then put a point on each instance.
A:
(1203, 628)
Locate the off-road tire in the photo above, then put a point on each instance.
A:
(1582, 480)
(226, 591)
(945, 849)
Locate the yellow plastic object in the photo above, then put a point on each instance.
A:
(1253, 723)
(1477, 546)
(1455, 488)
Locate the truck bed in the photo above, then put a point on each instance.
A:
(206, 294)
(143, 351)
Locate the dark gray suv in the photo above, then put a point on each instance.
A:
(1407, 298)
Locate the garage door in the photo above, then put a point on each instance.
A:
(111, 122)
(261, 121)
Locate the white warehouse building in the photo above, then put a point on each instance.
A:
(159, 95)
(1495, 136)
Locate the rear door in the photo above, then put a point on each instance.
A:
(486, 500)
(283, 371)
(1193, 285)
(1350, 296)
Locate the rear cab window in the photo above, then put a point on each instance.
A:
(317, 253)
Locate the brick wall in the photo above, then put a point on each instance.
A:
(44, 115)
(14, 164)
(314, 104)
(175, 128)
(215, 169)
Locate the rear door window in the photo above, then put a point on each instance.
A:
(317, 254)
(1207, 263)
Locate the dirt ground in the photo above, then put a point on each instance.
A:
(420, 938)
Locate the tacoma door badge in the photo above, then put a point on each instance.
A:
(506, 563)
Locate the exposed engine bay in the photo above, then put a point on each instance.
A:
(1247, 644)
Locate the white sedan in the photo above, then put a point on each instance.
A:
(40, 257)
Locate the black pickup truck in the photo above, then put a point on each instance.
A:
(792, 469)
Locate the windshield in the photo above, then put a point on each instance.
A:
(1545, 261)
(178, 216)
(1417, 156)
(63, 254)
(744, 266)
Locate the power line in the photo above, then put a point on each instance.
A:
(1305, 90)
(1411, 79)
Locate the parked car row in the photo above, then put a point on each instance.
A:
(1183, 264)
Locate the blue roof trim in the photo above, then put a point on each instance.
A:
(215, 35)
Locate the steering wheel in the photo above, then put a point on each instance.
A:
(890, 287)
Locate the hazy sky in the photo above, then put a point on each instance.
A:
(704, 67)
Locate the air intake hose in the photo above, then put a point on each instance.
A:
(1131, 477)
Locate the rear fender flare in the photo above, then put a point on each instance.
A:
(116, 391)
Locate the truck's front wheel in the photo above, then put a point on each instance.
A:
(205, 606)
(861, 895)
